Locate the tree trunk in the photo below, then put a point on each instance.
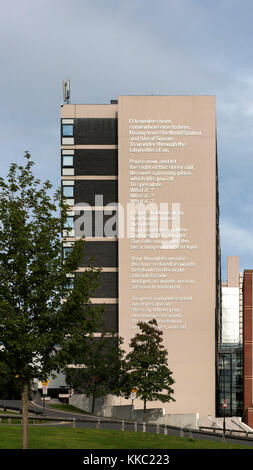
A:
(93, 398)
(25, 416)
(93, 404)
(145, 405)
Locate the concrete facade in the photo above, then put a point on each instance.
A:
(158, 150)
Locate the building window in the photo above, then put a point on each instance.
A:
(67, 130)
(66, 251)
(69, 224)
(68, 191)
(70, 284)
(67, 161)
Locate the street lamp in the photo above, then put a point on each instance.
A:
(224, 404)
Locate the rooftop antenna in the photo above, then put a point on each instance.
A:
(66, 91)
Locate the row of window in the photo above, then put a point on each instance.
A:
(230, 382)
(86, 131)
(68, 187)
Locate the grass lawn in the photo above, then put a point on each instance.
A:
(45, 437)
(66, 407)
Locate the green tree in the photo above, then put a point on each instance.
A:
(101, 368)
(146, 366)
(9, 388)
(44, 324)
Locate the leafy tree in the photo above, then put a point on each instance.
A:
(146, 367)
(101, 369)
(39, 331)
(9, 387)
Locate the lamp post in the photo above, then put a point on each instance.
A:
(224, 404)
(224, 419)
(133, 396)
(44, 391)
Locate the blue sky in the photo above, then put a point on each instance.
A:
(115, 47)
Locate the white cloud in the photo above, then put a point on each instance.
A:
(236, 240)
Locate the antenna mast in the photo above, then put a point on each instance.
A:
(66, 91)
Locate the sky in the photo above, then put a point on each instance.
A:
(109, 48)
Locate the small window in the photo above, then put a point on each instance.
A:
(70, 284)
(66, 251)
(69, 224)
(67, 130)
(68, 191)
(67, 160)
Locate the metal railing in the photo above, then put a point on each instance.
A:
(228, 431)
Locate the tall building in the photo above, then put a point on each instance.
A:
(140, 179)
(230, 348)
(247, 346)
(232, 304)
